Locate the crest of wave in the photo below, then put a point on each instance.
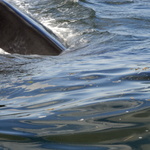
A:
(76, 1)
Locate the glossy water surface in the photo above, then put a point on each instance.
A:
(96, 94)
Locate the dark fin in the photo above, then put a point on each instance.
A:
(21, 34)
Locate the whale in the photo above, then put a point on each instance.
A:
(21, 34)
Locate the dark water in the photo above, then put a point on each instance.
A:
(95, 95)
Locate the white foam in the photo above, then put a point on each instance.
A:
(3, 52)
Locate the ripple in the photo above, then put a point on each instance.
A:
(95, 95)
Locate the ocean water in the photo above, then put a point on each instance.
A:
(95, 95)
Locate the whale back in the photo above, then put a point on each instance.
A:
(21, 34)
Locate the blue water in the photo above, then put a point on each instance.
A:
(96, 94)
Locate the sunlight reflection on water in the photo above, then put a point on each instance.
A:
(95, 95)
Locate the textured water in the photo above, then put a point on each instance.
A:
(96, 94)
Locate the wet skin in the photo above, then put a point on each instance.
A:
(21, 34)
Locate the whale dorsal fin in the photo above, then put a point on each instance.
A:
(21, 34)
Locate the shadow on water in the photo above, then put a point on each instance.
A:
(117, 132)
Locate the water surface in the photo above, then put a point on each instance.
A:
(95, 95)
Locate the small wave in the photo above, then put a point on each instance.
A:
(118, 2)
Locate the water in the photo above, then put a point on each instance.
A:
(95, 95)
